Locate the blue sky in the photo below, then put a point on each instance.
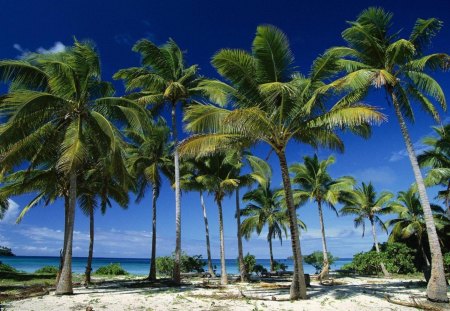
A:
(202, 28)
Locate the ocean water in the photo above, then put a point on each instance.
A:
(138, 266)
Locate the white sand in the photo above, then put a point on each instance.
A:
(353, 293)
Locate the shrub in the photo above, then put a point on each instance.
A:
(7, 268)
(164, 265)
(111, 269)
(259, 269)
(47, 270)
(315, 259)
(277, 266)
(249, 262)
(447, 262)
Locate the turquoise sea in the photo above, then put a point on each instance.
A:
(138, 266)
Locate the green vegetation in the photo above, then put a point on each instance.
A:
(111, 269)
(316, 260)
(5, 251)
(164, 265)
(249, 262)
(47, 270)
(447, 262)
(279, 266)
(7, 268)
(397, 257)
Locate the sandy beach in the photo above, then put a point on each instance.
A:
(348, 293)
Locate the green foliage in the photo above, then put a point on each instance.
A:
(47, 270)
(277, 266)
(7, 268)
(315, 259)
(397, 258)
(164, 265)
(447, 262)
(5, 251)
(249, 262)
(259, 269)
(111, 269)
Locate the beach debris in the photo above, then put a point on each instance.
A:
(89, 308)
(413, 304)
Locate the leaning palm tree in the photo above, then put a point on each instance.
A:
(315, 183)
(438, 160)
(365, 203)
(410, 222)
(273, 104)
(149, 157)
(78, 110)
(164, 80)
(375, 56)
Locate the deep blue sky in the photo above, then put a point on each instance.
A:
(202, 28)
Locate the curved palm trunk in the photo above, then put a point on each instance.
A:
(298, 286)
(272, 264)
(377, 248)
(87, 273)
(61, 254)
(208, 245)
(242, 269)
(437, 286)
(326, 264)
(426, 267)
(152, 274)
(223, 276)
(64, 285)
(176, 267)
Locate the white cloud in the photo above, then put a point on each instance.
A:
(382, 175)
(11, 214)
(56, 48)
(419, 147)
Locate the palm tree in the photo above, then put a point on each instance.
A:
(265, 209)
(78, 109)
(316, 184)
(273, 105)
(148, 158)
(410, 222)
(365, 203)
(438, 159)
(4, 205)
(164, 80)
(376, 56)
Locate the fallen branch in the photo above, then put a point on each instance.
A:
(413, 304)
(273, 298)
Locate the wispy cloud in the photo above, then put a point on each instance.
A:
(11, 214)
(381, 175)
(419, 147)
(57, 47)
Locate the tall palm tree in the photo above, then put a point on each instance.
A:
(78, 110)
(4, 205)
(149, 157)
(438, 160)
(315, 183)
(410, 222)
(274, 105)
(375, 56)
(164, 80)
(365, 203)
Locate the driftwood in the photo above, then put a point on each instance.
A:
(273, 298)
(413, 304)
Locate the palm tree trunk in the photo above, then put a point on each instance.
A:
(64, 285)
(61, 254)
(152, 274)
(377, 248)
(326, 265)
(242, 269)
(272, 264)
(426, 267)
(437, 286)
(447, 199)
(176, 267)
(208, 245)
(88, 271)
(298, 286)
(223, 277)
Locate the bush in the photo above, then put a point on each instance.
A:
(447, 262)
(315, 259)
(277, 266)
(249, 262)
(259, 269)
(111, 269)
(7, 268)
(397, 258)
(164, 265)
(47, 270)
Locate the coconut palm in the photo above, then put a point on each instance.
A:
(410, 222)
(438, 160)
(78, 110)
(164, 80)
(365, 203)
(375, 56)
(274, 105)
(149, 157)
(4, 205)
(315, 183)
